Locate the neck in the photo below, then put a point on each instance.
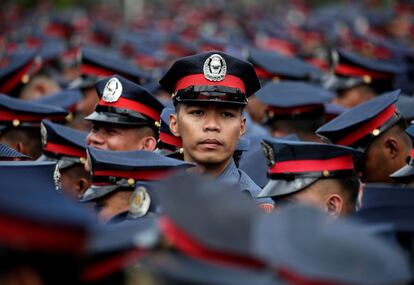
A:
(211, 169)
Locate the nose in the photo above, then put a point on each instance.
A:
(94, 139)
(212, 123)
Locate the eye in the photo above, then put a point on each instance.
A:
(196, 112)
(111, 131)
(226, 114)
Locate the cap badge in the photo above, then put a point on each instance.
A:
(140, 203)
(56, 178)
(215, 68)
(43, 134)
(268, 153)
(112, 90)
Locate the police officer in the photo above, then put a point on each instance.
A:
(66, 146)
(317, 174)
(126, 117)
(210, 91)
(377, 129)
(117, 174)
(20, 124)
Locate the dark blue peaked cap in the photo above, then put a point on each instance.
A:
(339, 252)
(405, 105)
(269, 64)
(376, 73)
(210, 217)
(21, 66)
(291, 99)
(64, 144)
(103, 63)
(388, 204)
(41, 217)
(254, 163)
(294, 165)
(129, 241)
(124, 102)
(52, 50)
(7, 153)
(410, 131)
(213, 77)
(66, 99)
(347, 57)
(131, 160)
(15, 112)
(361, 124)
(114, 169)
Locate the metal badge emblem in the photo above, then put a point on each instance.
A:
(112, 90)
(56, 179)
(43, 134)
(215, 68)
(140, 203)
(268, 153)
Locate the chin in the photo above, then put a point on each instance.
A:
(212, 159)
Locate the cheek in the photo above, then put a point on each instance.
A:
(187, 128)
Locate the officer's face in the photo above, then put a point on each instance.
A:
(210, 132)
(111, 137)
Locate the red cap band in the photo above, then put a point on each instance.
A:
(348, 70)
(295, 279)
(345, 162)
(16, 79)
(199, 80)
(88, 69)
(64, 149)
(261, 73)
(27, 236)
(132, 105)
(113, 264)
(171, 140)
(187, 245)
(9, 116)
(368, 127)
(138, 174)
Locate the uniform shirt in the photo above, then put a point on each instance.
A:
(234, 175)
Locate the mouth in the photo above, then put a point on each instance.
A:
(211, 143)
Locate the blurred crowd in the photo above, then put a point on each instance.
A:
(104, 104)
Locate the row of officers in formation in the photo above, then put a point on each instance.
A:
(232, 168)
(182, 195)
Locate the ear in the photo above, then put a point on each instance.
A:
(174, 125)
(40, 88)
(81, 186)
(392, 147)
(148, 143)
(243, 126)
(334, 205)
(19, 146)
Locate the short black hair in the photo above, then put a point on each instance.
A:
(350, 187)
(29, 136)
